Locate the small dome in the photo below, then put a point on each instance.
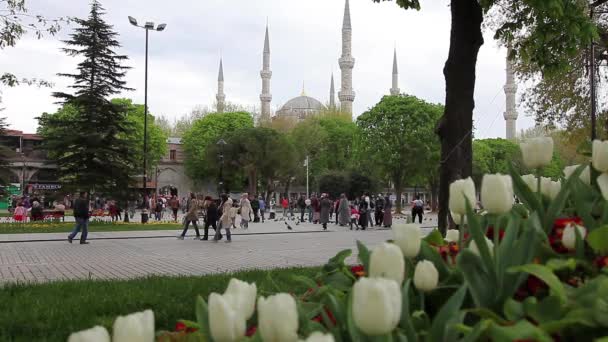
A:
(304, 102)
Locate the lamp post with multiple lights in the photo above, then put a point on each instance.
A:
(221, 143)
(148, 26)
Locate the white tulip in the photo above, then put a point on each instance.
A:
(474, 249)
(602, 182)
(460, 191)
(96, 334)
(497, 193)
(386, 261)
(226, 322)
(244, 295)
(136, 327)
(569, 235)
(426, 276)
(319, 337)
(452, 235)
(537, 152)
(376, 305)
(585, 176)
(599, 156)
(457, 218)
(278, 318)
(408, 237)
(550, 188)
(531, 181)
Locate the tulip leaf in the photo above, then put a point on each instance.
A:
(337, 261)
(477, 278)
(558, 203)
(522, 330)
(305, 281)
(447, 316)
(476, 333)
(406, 318)
(562, 264)
(353, 331)
(435, 238)
(480, 241)
(598, 240)
(523, 192)
(513, 310)
(202, 317)
(545, 274)
(487, 314)
(547, 310)
(364, 255)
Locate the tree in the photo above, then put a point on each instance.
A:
(396, 134)
(204, 132)
(92, 149)
(546, 33)
(494, 156)
(5, 154)
(15, 21)
(334, 183)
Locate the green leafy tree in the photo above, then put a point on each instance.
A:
(92, 149)
(494, 156)
(546, 33)
(205, 132)
(334, 183)
(5, 154)
(397, 136)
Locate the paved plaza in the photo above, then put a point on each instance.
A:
(124, 255)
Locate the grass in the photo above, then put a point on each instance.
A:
(64, 227)
(50, 312)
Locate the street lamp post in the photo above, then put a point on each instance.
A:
(221, 144)
(148, 26)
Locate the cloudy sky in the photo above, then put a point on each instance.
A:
(305, 42)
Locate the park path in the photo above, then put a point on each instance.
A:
(126, 255)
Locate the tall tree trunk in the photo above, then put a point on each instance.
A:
(253, 182)
(434, 187)
(455, 127)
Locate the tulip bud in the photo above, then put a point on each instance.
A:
(136, 327)
(457, 218)
(537, 152)
(549, 188)
(278, 318)
(569, 235)
(461, 191)
(244, 294)
(497, 193)
(376, 305)
(585, 176)
(474, 249)
(386, 261)
(319, 337)
(408, 238)
(602, 182)
(452, 235)
(426, 276)
(226, 322)
(531, 181)
(599, 156)
(96, 334)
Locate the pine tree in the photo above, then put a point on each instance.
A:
(91, 148)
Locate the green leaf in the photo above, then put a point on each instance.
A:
(558, 203)
(337, 261)
(487, 314)
(305, 281)
(202, 317)
(435, 238)
(562, 264)
(364, 255)
(480, 283)
(429, 253)
(523, 192)
(598, 240)
(545, 274)
(406, 319)
(480, 241)
(519, 331)
(478, 331)
(447, 316)
(353, 331)
(513, 310)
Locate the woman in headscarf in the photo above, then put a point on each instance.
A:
(325, 209)
(388, 215)
(343, 211)
(246, 211)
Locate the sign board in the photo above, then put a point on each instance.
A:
(45, 186)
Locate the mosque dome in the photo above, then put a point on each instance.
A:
(300, 107)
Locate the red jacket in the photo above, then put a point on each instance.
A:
(284, 203)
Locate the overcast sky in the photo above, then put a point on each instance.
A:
(305, 43)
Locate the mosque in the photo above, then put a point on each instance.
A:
(298, 108)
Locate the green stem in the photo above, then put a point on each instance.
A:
(461, 233)
(422, 301)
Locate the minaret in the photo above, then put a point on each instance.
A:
(395, 89)
(347, 62)
(332, 93)
(220, 90)
(266, 74)
(511, 108)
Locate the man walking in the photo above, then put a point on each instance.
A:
(379, 210)
(81, 214)
(191, 217)
(302, 206)
(262, 208)
(417, 209)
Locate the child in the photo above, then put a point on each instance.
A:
(354, 217)
(20, 212)
(233, 212)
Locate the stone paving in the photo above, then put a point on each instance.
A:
(124, 255)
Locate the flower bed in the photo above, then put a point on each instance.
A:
(535, 271)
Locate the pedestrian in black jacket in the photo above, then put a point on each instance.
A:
(211, 218)
(81, 213)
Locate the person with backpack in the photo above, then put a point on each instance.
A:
(417, 209)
